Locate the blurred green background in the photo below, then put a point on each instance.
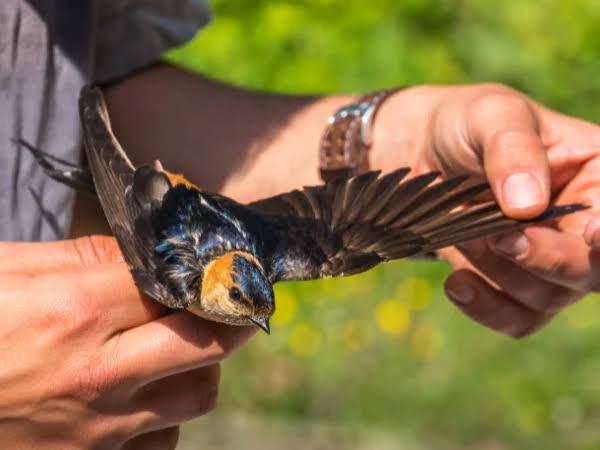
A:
(382, 360)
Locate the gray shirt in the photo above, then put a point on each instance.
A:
(48, 50)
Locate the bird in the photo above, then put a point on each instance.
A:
(194, 250)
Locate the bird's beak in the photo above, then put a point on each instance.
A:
(262, 323)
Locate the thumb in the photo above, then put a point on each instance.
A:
(72, 254)
(515, 161)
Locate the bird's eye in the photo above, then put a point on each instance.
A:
(235, 293)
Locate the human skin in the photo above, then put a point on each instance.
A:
(90, 363)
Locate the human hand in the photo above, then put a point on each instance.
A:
(88, 362)
(513, 284)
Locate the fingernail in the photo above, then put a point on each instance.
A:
(522, 190)
(461, 293)
(474, 247)
(512, 244)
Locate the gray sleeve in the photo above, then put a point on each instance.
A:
(132, 34)
(48, 50)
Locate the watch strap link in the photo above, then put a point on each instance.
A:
(344, 145)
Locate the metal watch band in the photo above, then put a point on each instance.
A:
(344, 145)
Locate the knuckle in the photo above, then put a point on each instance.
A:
(503, 140)
(512, 117)
(64, 313)
(96, 378)
(73, 313)
(556, 266)
(499, 100)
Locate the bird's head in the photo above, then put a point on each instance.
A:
(235, 290)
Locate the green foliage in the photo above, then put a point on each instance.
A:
(547, 48)
(385, 349)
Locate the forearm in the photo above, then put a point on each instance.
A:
(242, 143)
(238, 142)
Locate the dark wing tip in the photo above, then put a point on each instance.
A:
(561, 210)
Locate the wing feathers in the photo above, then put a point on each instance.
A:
(428, 200)
(429, 211)
(361, 221)
(353, 203)
(403, 197)
(125, 195)
(111, 169)
(385, 189)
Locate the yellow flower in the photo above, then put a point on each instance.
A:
(415, 291)
(304, 340)
(287, 307)
(426, 342)
(393, 317)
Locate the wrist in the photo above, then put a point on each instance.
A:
(402, 127)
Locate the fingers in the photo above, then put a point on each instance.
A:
(175, 343)
(491, 307)
(176, 399)
(103, 299)
(88, 275)
(108, 291)
(156, 440)
(515, 161)
(39, 257)
(560, 258)
(525, 287)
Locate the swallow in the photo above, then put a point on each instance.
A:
(219, 259)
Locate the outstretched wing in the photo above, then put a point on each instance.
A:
(126, 194)
(359, 222)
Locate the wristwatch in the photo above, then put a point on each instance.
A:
(344, 145)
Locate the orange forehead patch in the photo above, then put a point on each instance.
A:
(218, 272)
(177, 179)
